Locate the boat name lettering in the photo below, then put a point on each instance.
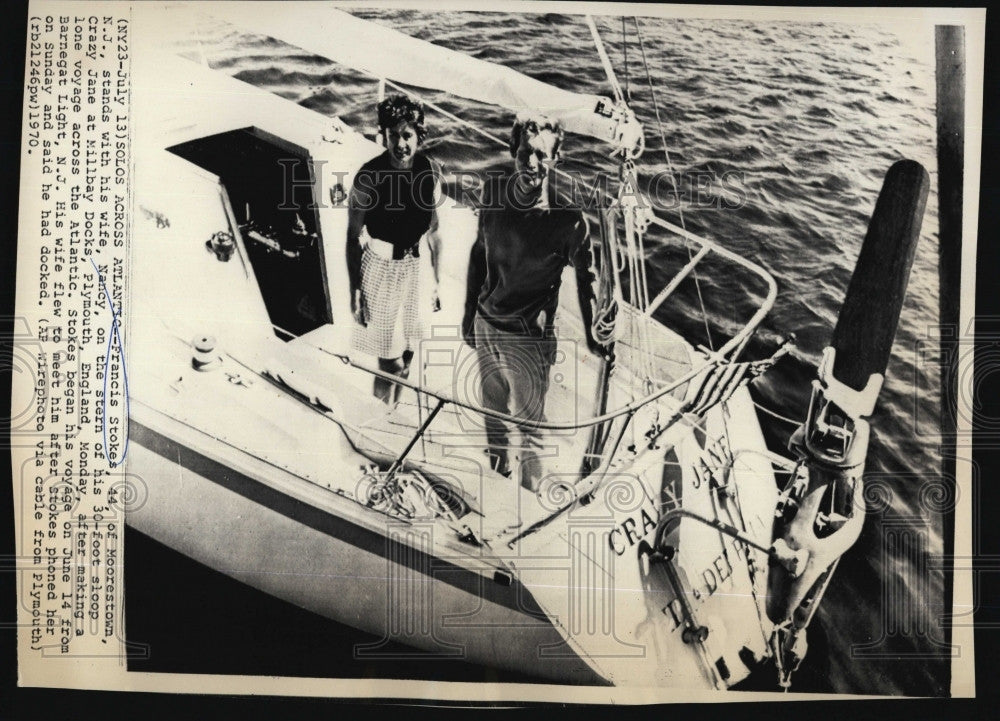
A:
(710, 580)
(626, 535)
(635, 528)
(715, 458)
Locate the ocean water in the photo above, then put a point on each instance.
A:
(802, 120)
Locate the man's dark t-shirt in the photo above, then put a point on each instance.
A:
(516, 265)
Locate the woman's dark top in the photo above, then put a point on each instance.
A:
(397, 203)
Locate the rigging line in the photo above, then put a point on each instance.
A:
(634, 280)
(633, 249)
(645, 281)
(605, 60)
(628, 92)
(777, 415)
(659, 122)
(670, 170)
(475, 128)
(435, 106)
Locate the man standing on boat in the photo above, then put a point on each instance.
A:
(528, 232)
(394, 202)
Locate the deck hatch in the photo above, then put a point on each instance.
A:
(270, 183)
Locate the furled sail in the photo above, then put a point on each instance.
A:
(387, 53)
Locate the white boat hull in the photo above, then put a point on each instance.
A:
(387, 581)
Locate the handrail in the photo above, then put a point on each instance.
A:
(676, 281)
(756, 269)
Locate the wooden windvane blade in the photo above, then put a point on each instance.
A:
(867, 323)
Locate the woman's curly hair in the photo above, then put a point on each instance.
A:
(396, 109)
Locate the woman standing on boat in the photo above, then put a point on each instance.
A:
(394, 204)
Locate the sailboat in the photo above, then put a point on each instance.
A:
(669, 548)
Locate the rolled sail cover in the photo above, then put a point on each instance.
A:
(387, 53)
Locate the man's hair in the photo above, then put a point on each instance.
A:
(396, 109)
(526, 126)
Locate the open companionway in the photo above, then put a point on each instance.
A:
(270, 189)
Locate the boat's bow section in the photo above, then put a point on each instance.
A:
(647, 597)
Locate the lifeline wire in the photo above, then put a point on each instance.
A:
(673, 179)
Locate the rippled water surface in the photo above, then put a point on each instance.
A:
(803, 120)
